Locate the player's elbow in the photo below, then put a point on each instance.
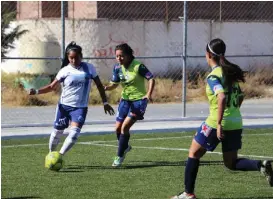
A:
(52, 87)
(221, 97)
(152, 81)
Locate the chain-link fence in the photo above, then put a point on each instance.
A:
(246, 28)
(153, 29)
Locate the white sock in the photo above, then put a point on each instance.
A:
(55, 139)
(71, 139)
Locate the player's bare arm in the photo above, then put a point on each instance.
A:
(110, 87)
(46, 89)
(107, 107)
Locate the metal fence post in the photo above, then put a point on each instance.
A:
(63, 29)
(184, 86)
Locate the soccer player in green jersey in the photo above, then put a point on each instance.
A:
(224, 123)
(131, 74)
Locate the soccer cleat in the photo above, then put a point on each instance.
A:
(266, 170)
(118, 160)
(184, 195)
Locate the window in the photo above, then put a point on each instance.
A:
(52, 9)
(8, 7)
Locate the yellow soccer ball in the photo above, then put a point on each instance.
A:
(54, 161)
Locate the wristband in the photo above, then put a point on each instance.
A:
(105, 103)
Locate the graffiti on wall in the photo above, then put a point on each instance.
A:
(108, 50)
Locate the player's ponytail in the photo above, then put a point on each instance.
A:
(65, 61)
(71, 46)
(231, 72)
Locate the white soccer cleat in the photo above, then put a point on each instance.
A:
(184, 195)
(266, 170)
(118, 160)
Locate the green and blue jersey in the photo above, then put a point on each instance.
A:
(232, 118)
(132, 80)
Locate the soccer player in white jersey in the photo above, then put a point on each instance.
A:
(75, 77)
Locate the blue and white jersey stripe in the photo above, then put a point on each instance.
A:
(76, 84)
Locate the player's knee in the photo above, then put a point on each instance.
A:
(125, 129)
(194, 154)
(230, 165)
(61, 123)
(57, 133)
(118, 129)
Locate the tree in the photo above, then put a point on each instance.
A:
(8, 37)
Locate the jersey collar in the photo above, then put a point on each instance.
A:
(77, 68)
(212, 68)
(131, 64)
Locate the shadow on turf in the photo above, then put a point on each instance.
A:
(22, 197)
(266, 197)
(139, 165)
(69, 170)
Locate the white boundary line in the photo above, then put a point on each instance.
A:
(22, 145)
(143, 147)
(137, 139)
(174, 149)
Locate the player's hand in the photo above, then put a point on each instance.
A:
(220, 134)
(108, 109)
(148, 97)
(106, 88)
(32, 91)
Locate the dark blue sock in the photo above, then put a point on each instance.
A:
(243, 164)
(122, 144)
(118, 135)
(191, 174)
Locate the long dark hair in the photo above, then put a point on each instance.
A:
(232, 73)
(72, 46)
(126, 49)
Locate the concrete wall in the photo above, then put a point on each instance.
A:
(148, 38)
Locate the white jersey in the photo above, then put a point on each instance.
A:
(76, 84)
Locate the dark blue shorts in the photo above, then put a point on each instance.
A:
(207, 138)
(66, 114)
(133, 109)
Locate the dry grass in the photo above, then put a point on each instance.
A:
(259, 85)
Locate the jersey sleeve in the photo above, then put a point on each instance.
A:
(144, 72)
(93, 70)
(215, 85)
(115, 76)
(61, 75)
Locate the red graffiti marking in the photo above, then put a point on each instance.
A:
(108, 50)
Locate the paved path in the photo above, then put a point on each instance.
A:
(139, 127)
(44, 116)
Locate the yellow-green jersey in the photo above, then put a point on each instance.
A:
(132, 80)
(232, 118)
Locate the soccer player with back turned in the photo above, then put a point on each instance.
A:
(224, 123)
